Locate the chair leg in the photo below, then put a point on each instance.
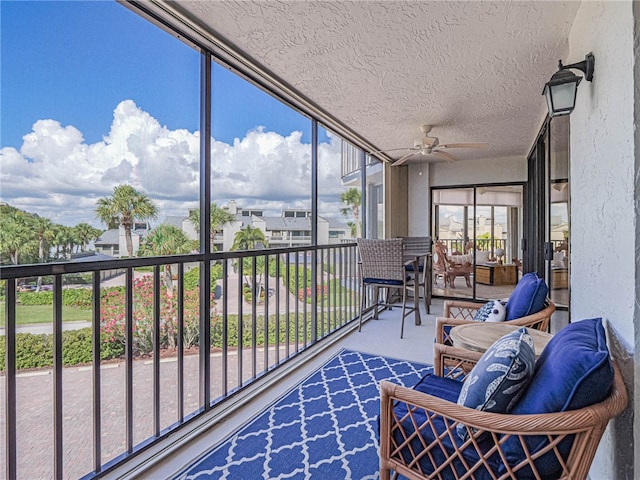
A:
(363, 295)
(427, 297)
(376, 296)
(404, 303)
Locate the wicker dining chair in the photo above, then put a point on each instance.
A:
(420, 248)
(382, 267)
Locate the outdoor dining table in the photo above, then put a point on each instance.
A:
(480, 336)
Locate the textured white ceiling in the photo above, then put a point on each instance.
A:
(475, 70)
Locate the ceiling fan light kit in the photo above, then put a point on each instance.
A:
(430, 146)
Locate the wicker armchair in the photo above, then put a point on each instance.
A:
(417, 433)
(446, 266)
(382, 267)
(461, 313)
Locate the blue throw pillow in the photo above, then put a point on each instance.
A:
(528, 297)
(574, 371)
(500, 377)
(492, 311)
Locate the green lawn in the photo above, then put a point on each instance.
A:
(28, 314)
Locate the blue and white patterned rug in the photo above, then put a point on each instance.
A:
(325, 428)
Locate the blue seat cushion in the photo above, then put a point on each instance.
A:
(500, 377)
(380, 281)
(409, 267)
(528, 297)
(574, 371)
(449, 390)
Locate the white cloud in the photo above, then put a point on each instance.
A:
(56, 174)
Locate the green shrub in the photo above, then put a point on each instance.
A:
(36, 351)
(73, 297)
(78, 297)
(35, 298)
(33, 351)
(110, 349)
(77, 346)
(192, 277)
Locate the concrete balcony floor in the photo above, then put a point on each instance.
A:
(380, 337)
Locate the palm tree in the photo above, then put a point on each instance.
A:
(352, 198)
(352, 227)
(165, 240)
(247, 238)
(85, 233)
(44, 230)
(219, 218)
(60, 240)
(64, 240)
(16, 237)
(126, 205)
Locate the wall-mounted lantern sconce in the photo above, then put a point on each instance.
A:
(561, 90)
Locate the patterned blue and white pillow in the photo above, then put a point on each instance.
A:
(500, 377)
(492, 311)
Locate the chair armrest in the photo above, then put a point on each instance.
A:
(460, 313)
(460, 309)
(453, 362)
(442, 336)
(540, 320)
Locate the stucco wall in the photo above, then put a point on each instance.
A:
(495, 170)
(603, 212)
(419, 215)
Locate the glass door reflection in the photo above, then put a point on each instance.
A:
(477, 233)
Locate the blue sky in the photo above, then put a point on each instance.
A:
(75, 61)
(93, 96)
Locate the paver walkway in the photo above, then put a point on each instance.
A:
(35, 409)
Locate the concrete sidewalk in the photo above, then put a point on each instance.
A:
(39, 328)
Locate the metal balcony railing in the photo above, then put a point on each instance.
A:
(487, 244)
(182, 351)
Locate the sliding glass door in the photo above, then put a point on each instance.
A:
(547, 227)
(477, 232)
(558, 228)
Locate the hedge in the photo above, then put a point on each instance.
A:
(72, 297)
(36, 350)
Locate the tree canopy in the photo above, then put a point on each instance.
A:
(29, 238)
(352, 198)
(126, 206)
(247, 238)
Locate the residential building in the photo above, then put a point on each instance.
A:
(291, 228)
(113, 242)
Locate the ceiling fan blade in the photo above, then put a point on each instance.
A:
(392, 150)
(464, 145)
(447, 156)
(401, 160)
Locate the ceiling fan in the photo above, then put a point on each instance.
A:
(431, 146)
